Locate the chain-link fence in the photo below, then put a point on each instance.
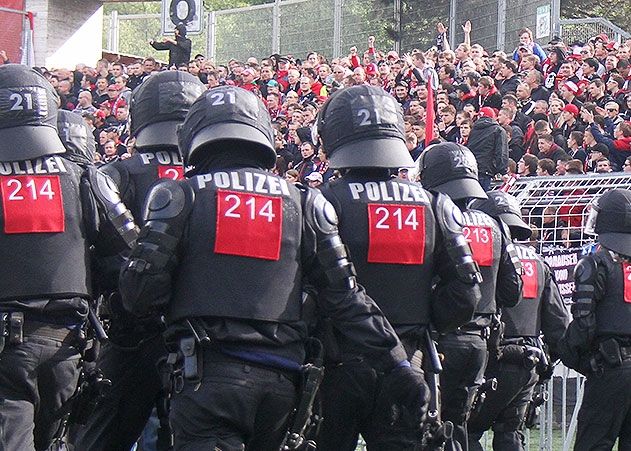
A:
(12, 24)
(581, 30)
(331, 27)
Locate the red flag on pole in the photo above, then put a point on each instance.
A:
(430, 116)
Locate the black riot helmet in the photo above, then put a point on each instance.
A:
(451, 169)
(76, 137)
(227, 116)
(28, 114)
(160, 104)
(610, 218)
(504, 206)
(362, 127)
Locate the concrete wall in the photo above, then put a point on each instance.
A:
(67, 32)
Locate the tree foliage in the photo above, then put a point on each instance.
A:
(618, 12)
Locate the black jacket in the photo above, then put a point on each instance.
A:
(489, 144)
(179, 53)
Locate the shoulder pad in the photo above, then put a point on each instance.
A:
(318, 211)
(168, 199)
(118, 174)
(103, 186)
(585, 270)
(109, 202)
(448, 215)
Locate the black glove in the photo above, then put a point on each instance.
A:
(403, 397)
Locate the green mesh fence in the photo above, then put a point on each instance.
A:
(307, 26)
(243, 34)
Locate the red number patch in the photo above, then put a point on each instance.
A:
(170, 172)
(32, 204)
(249, 225)
(530, 278)
(396, 234)
(626, 273)
(480, 238)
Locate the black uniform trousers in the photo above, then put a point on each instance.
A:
(605, 414)
(36, 378)
(348, 394)
(235, 406)
(505, 408)
(119, 418)
(463, 372)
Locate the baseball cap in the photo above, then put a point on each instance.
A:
(160, 104)
(314, 177)
(250, 72)
(371, 69)
(28, 114)
(572, 87)
(273, 83)
(451, 169)
(487, 111)
(393, 55)
(571, 108)
(227, 113)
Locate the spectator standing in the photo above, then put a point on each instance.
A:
(179, 48)
(489, 144)
(526, 40)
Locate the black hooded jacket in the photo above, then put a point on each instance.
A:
(180, 52)
(489, 143)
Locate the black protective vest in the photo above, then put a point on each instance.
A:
(524, 320)
(390, 229)
(136, 175)
(485, 238)
(241, 255)
(42, 233)
(613, 312)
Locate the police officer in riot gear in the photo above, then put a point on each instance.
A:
(53, 211)
(398, 235)
(522, 361)
(597, 342)
(451, 169)
(224, 255)
(130, 358)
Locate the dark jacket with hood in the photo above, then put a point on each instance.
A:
(489, 144)
(180, 52)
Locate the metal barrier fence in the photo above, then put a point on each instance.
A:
(581, 30)
(557, 206)
(331, 27)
